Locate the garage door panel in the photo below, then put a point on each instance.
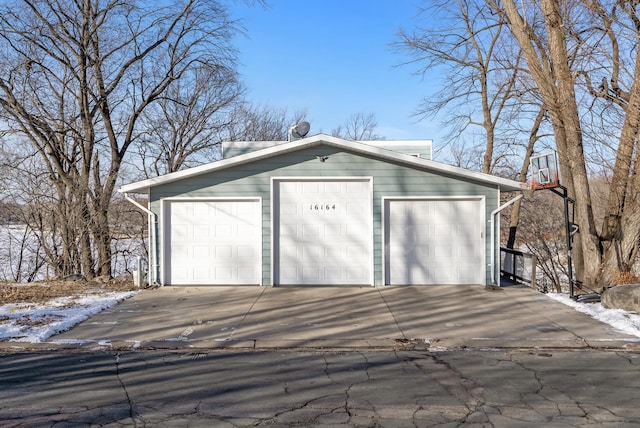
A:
(221, 231)
(465, 273)
(312, 252)
(311, 274)
(181, 255)
(439, 274)
(308, 187)
(247, 233)
(224, 253)
(247, 253)
(201, 274)
(288, 273)
(213, 242)
(223, 273)
(434, 241)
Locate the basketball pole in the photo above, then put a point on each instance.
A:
(570, 229)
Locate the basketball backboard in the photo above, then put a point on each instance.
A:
(544, 171)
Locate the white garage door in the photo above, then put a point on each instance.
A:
(213, 242)
(434, 241)
(323, 232)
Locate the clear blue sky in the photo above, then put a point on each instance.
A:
(333, 58)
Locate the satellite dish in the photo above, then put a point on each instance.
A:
(300, 130)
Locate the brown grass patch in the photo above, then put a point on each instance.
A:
(40, 292)
(625, 277)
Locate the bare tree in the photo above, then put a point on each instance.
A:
(542, 227)
(492, 109)
(480, 72)
(186, 125)
(566, 43)
(262, 123)
(26, 244)
(358, 127)
(75, 79)
(559, 49)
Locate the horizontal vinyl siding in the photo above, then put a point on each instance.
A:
(254, 180)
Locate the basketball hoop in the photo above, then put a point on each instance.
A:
(544, 171)
(545, 175)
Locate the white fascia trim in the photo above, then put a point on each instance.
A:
(353, 146)
(221, 164)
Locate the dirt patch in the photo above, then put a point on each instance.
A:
(40, 292)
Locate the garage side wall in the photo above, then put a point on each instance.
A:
(253, 180)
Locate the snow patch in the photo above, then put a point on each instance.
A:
(624, 321)
(35, 323)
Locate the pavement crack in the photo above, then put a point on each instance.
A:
(463, 388)
(562, 401)
(395, 321)
(244, 316)
(124, 388)
(326, 368)
(540, 390)
(347, 397)
(631, 359)
(367, 367)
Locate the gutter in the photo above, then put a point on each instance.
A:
(153, 223)
(494, 218)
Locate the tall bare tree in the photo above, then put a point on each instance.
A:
(486, 88)
(568, 45)
(464, 45)
(187, 124)
(75, 79)
(579, 71)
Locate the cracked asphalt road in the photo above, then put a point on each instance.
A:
(359, 388)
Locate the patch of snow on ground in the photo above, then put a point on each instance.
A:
(627, 322)
(35, 323)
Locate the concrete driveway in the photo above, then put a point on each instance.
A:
(427, 317)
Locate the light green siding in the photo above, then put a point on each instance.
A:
(389, 179)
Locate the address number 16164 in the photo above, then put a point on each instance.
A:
(322, 207)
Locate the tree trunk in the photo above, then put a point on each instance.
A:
(102, 239)
(556, 84)
(621, 224)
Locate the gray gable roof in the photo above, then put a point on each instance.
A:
(322, 139)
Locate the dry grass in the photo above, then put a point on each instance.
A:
(40, 292)
(625, 277)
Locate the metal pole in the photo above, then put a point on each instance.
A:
(569, 235)
(569, 242)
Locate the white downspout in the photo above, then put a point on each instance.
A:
(494, 213)
(153, 223)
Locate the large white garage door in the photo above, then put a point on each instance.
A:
(213, 242)
(323, 232)
(434, 241)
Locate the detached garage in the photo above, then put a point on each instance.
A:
(323, 211)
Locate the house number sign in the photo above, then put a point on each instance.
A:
(322, 207)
